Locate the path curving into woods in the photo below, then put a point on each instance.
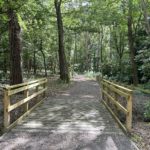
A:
(72, 120)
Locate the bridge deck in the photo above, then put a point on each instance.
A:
(73, 120)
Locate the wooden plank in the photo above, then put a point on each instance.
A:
(25, 114)
(120, 87)
(14, 106)
(116, 90)
(121, 91)
(115, 117)
(24, 84)
(116, 103)
(11, 92)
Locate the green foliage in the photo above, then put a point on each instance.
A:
(94, 31)
(21, 22)
(144, 58)
(147, 112)
(136, 138)
(90, 74)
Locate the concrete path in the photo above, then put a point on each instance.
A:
(73, 120)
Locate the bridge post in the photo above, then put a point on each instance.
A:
(44, 86)
(26, 94)
(129, 115)
(6, 102)
(102, 87)
(37, 90)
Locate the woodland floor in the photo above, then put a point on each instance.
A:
(56, 90)
(141, 129)
(73, 119)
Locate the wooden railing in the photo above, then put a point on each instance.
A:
(28, 91)
(117, 99)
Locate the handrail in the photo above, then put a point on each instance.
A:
(24, 88)
(107, 88)
(120, 87)
(22, 84)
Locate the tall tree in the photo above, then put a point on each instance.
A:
(15, 48)
(64, 73)
(131, 43)
(44, 57)
(119, 42)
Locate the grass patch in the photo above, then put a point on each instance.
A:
(55, 85)
(90, 74)
(136, 138)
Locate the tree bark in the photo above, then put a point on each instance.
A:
(101, 37)
(5, 64)
(119, 46)
(44, 58)
(64, 73)
(75, 51)
(131, 45)
(34, 63)
(15, 49)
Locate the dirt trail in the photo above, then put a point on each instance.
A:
(72, 120)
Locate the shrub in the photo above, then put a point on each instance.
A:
(147, 112)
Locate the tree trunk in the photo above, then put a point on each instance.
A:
(15, 49)
(5, 64)
(29, 66)
(34, 63)
(119, 46)
(75, 52)
(44, 58)
(64, 73)
(101, 37)
(131, 45)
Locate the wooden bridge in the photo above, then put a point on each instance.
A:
(73, 120)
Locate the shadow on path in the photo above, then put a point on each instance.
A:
(73, 120)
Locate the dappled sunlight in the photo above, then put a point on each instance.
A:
(110, 144)
(57, 108)
(13, 143)
(95, 84)
(80, 126)
(76, 116)
(92, 113)
(87, 96)
(71, 120)
(33, 124)
(65, 94)
(79, 78)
